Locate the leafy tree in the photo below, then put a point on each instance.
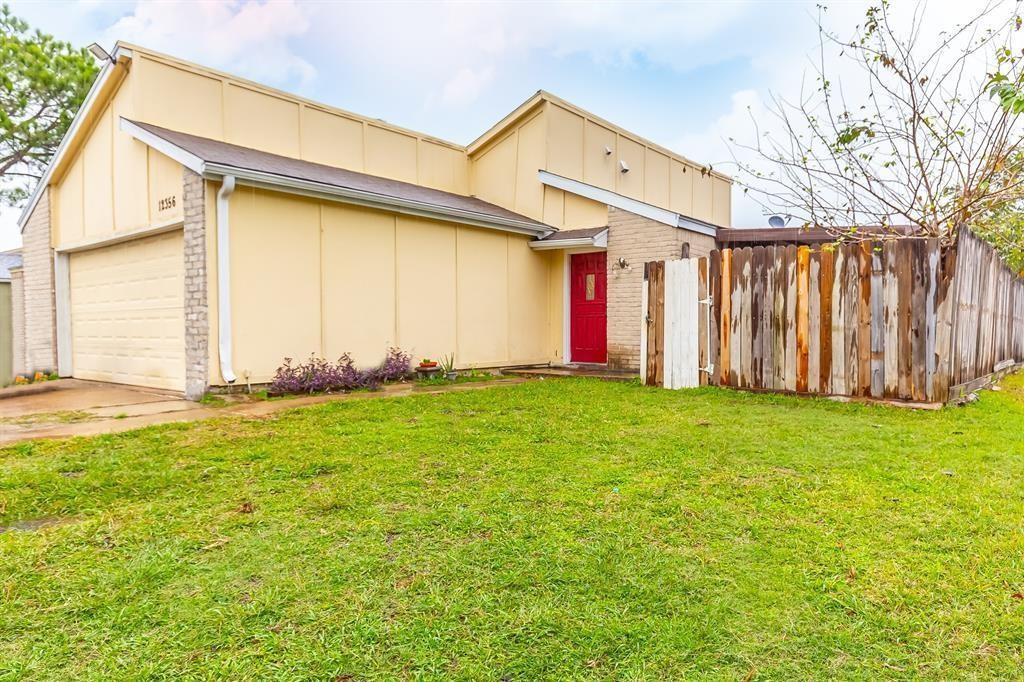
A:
(43, 81)
(933, 140)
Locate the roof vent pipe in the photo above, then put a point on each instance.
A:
(224, 278)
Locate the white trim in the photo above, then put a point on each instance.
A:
(118, 237)
(76, 123)
(227, 371)
(600, 241)
(62, 311)
(185, 158)
(616, 200)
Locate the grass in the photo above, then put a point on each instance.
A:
(548, 530)
(463, 377)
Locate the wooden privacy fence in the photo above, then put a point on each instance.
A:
(899, 319)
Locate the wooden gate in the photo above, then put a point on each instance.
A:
(674, 331)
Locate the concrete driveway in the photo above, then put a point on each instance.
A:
(73, 407)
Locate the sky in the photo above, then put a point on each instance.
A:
(687, 75)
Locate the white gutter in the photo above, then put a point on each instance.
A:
(224, 279)
(635, 206)
(76, 123)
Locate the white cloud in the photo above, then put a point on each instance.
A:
(466, 85)
(251, 39)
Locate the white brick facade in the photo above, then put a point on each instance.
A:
(638, 240)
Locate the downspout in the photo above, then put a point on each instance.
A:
(224, 278)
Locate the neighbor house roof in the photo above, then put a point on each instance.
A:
(8, 260)
(215, 159)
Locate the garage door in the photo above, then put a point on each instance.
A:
(128, 312)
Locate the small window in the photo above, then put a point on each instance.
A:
(591, 281)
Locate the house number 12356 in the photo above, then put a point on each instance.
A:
(166, 203)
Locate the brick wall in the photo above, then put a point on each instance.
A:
(638, 240)
(197, 313)
(40, 322)
(17, 321)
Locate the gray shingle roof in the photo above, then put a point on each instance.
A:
(225, 154)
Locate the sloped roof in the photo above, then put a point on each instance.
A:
(225, 157)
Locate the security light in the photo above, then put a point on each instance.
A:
(623, 167)
(99, 53)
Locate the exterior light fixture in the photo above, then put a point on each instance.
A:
(623, 263)
(623, 166)
(607, 150)
(99, 53)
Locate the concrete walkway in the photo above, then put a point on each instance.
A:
(71, 407)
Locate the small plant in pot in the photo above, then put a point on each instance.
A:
(427, 368)
(448, 367)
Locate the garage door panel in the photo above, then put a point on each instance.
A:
(127, 313)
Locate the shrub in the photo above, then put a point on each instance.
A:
(322, 376)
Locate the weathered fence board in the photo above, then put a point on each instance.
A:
(901, 319)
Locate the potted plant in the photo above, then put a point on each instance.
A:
(448, 367)
(427, 368)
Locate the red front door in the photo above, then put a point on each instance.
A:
(588, 308)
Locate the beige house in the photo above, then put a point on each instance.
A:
(194, 229)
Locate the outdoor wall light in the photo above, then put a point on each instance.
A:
(623, 166)
(607, 150)
(623, 263)
(99, 53)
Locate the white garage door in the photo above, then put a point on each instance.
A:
(128, 312)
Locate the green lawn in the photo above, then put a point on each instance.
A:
(554, 529)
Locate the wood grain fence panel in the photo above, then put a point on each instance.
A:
(864, 318)
(877, 323)
(738, 340)
(852, 297)
(703, 321)
(768, 320)
(839, 324)
(725, 318)
(919, 379)
(814, 323)
(905, 353)
(890, 318)
(944, 309)
(825, 285)
(791, 350)
(803, 273)
(779, 321)
(672, 333)
(746, 357)
(715, 285)
(656, 326)
(932, 253)
(756, 311)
